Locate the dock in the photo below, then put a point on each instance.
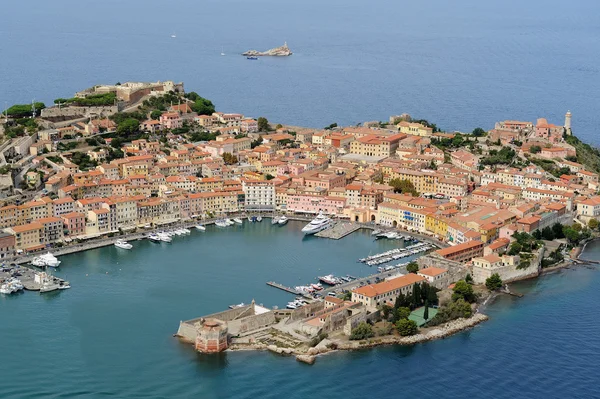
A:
(339, 231)
(283, 287)
(27, 277)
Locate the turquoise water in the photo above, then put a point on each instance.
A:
(110, 335)
(462, 63)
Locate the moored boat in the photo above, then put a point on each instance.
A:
(275, 220)
(123, 244)
(154, 237)
(320, 223)
(259, 218)
(164, 237)
(238, 221)
(329, 279)
(221, 223)
(200, 227)
(282, 220)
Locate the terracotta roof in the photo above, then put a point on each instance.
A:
(390, 285)
(432, 271)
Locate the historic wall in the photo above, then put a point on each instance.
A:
(251, 323)
(78, 111)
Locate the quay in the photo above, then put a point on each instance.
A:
(283, 287)
(27, 277)
(362, 281)
(339, 230)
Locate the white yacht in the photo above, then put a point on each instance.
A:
(200, 227)
(250, 219)
(229, 222)
(320, 223)
(46, 260)
(282, 220)
(154, 237)
(123, 244)
(16, 284)
(178, 232)
(186, 231)
(259, 218)
(275, 220)
(164, 237)
(6, 289)
(221, 223)
(238, 220)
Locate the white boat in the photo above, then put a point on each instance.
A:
(186, 231)
(291, 305)
(329, 279)
(275, 220)
(282, 220)
(154, 237)
(173, 35)
(250, 219)
(15, 284)
(200, 227)
(229, 222)
(259, 218)
(320, 223)
(221, 223)
(239, 305)
(47, 260)
(123, 244)
(37, 261)
(6, 289)
(64, 286)
(375, 232)
(222, 52)
(164, 237)
(238, 220)
(178, 232)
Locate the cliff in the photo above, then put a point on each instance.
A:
(282, 51)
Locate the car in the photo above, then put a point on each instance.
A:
(368, 281)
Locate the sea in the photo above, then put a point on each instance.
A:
(110, 335)
(460, 64)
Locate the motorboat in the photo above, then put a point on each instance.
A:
(16, 284)
(275, 220)
(123, 244)
(259, 218)
(317, 287)
(251, 58)
(221, 223)
(282, 220)
(238, 221)
(229, 222)
(291, 305)
(250, 219)
(200, 227)
(6, 289)
(154, 237)
(186, 231)
(320, 223)
(45, 260)
(178, 232)
(164, 237)
(64, 285)
(375, 232)
(239, 305)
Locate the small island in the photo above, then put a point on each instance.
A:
(282, 51)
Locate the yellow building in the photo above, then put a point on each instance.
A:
(416, 129)
(436, 224)
(28, 237)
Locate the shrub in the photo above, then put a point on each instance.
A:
(406, 327)
(362, 331)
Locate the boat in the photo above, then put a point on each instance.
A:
(154, 237)
(45, 260)
(6, 289)
(282, 220)
(221, 223)
(177, 232)
(375, 232)
(15, 284)
(250, 219)
(251, 58)
(275, 220)
(64, 285)
(200, 227)
(222, 53)
(239, 305)
(173, 35)
(37, 261)
(329, 279)
(317, 286)
(49, 286)
(164, 237)
(259, 218)
(238, 221)
(229, 222)
(186, 231)
(320, 223)
(291, 305)
(123, 244)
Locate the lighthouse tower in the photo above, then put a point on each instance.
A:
(568, 123)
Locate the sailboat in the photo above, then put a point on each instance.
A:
(222, 53)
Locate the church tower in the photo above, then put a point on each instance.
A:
(568, 123)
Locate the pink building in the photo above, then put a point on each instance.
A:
(171, 120)
(314, 204)
(548, 131)
(249, 126)
(74, 223)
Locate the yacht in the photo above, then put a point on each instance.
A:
(282, 220)
(317, 287)
(221, 223)
(239, 305)
(275, 220)
(200, 227)
(164, 237)
(259, 218)
(250, 219)
(375, 232)
(6, 289)
(229, 222)
(329, 279)
(64, 285)
(45, 260)
(186, 231)
(238, 220)
(16, 284)
(123, 244)
(291, 305)
(178, 232)
(320, 223)
(154, 237)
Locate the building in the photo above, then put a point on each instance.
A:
(374, 295)
(435, 276)
(28, 237)
(462, 252)
(7, 245)
(74, 224)
(415, 129)
(212, 336)
(259, 194)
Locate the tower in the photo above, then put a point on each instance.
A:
(568, 122)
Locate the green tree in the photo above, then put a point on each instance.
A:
(128, 126)
(593, 224)
(400, 314)
(462, 290)
(478, 132)
(426, 312)
(155, 114)
(362, 331)
(406, 327)
(534, 149)
(403, 186)
(24, 110)
(269, 176)
(468, 278)
(515, 249)
(385, 311)
(537, 234)
(347, 296)
(263, 124)
(412, 267)
(548, 233)
(493, 282)
(279, 126)
(229, 158)
(452, 311)
(201, 106)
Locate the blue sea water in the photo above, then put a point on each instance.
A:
(110, 335)
(462, 63)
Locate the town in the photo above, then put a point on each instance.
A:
(501, 204)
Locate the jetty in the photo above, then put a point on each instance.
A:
(283, 287)
(27, 277)
(340, 230)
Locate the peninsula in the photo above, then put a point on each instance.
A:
(489, 206)
(282, 51)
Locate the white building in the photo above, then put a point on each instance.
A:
(259, 194)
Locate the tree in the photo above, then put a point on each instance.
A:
(468, 278)
(462, 290)
(493, 282)
(557, 228)
(515, 249)
(263, 124)
(155, 114)
(347, 296)
(400, 314)
(412, 267)
(385, 311)
(403, 186)
(128, 126)
(406, 327)
(426, 312)
(257, 142)
(24, 110)
(534, 149)
(229, 158)
(593, 224)
(269, 176)
(201, 105)
(478, 132)
(453, 310)
(362, 331)
(548, 234)
(279, 126)
(537, 234)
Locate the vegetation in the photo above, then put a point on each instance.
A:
(425, 122)
(406, 327)
(229, 158)
(453, 310)
(422, 292)
(332, 126)
(412, 267)
(400, 313)
(478, 132)
(24, 110)
(55, 159)
(155, 114)
(257, 142)
(524, 242)
(493, 282)
(347, 296)
(586, 154)
(383, 328)
(463, 290)
(550, 166)
(534, 149)
(403, 186)
(504, 157)
(362, 331)
(468, 278)
(5, 169)
(83, 161)
(66, 146)
(445, 143)
(269, 176)
(201, 105)
(202, 136)
(128, 127)
(95, 100)
(263, 124)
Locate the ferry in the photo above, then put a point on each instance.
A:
(320, 223)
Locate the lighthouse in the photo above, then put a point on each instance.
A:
(568, 123)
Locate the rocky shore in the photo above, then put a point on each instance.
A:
(282, 51)
(309, 355)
